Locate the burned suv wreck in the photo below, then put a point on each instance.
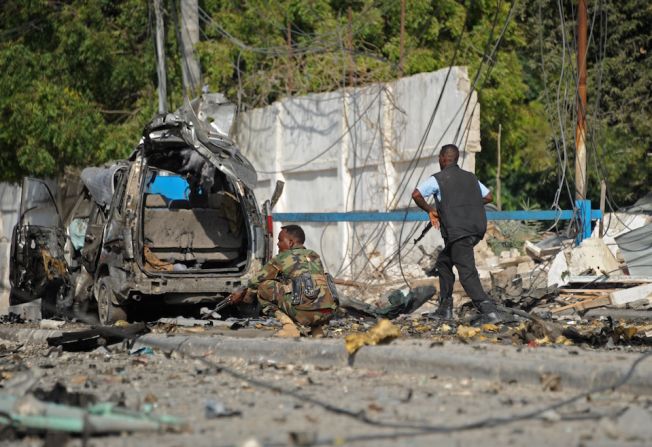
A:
(176, 223)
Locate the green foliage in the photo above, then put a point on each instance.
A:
(76, 81)
(619, 84)
(78, 78)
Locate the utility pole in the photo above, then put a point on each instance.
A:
(189, 32)
(349, 45)
(580, 130)
(288, 85)
(402, 41)
(160, 58)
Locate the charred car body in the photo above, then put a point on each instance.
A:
(177, 222)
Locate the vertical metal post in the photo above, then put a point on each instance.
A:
(584, 215)
(603, 196)
(349, 45)
(160, 58)
(289, 81)
(580, 130)
(499, 202)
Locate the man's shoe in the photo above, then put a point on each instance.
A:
(289, 329)
(445, 309)
(317, 331)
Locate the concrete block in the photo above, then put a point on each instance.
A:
(630, 295)
(28, 311)
(558, 273)
(594, 256)
(539, 251)
(502, 278)
(525, 267)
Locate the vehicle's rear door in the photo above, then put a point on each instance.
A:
(37, 263)
(93, 238)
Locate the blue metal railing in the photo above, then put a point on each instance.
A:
(584, 214)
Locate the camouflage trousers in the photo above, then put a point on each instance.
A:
(273, 296)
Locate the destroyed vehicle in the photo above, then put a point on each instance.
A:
(175, 224)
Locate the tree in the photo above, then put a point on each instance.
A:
(76, 81)
(78, 77)
(619, 85)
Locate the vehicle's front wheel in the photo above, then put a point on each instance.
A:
(108, 312)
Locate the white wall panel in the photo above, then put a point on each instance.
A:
(310, 126)
(387, 123)
(369, 138)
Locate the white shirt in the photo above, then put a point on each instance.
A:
(430, 187)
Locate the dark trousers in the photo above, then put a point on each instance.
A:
(460, 254)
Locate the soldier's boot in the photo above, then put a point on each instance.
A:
(289, 329)
(445, 309)
(317, 331)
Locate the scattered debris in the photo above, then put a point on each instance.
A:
(303, 438)
(11, 318)
(400, 302)
(546, 248)
(51, 324)
(142, 350)
(550, 382)
(383, 332)
(93, 338)
(214, 409)
(625, 296)
(183, 321)
(59, 394)
(27, 413)
(593, 257)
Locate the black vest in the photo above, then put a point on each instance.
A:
(461, 209)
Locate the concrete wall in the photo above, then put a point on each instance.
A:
(356, 149)
(9, 208)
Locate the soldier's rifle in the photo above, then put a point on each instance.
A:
(234, 298)
(423, 232)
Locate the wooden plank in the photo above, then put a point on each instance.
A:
(539, 253)
(611, 280)
(587, 291)
(585, 304)
(509, 262)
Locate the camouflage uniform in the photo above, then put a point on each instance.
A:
(273, 286)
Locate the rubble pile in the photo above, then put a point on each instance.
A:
(597, 293)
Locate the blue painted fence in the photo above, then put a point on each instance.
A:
(584, 214)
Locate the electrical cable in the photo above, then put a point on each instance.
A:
(598, 158)
(360, 415)
(332, 145)
(498, 40)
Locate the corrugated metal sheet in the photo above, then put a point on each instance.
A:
(636, 247)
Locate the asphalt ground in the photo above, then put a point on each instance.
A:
(307, 401)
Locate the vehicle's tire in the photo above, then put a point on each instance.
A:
(107, 312)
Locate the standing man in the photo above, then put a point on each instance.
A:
(293, 285)
(459, 213)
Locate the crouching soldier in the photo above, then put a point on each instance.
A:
(293, 286)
